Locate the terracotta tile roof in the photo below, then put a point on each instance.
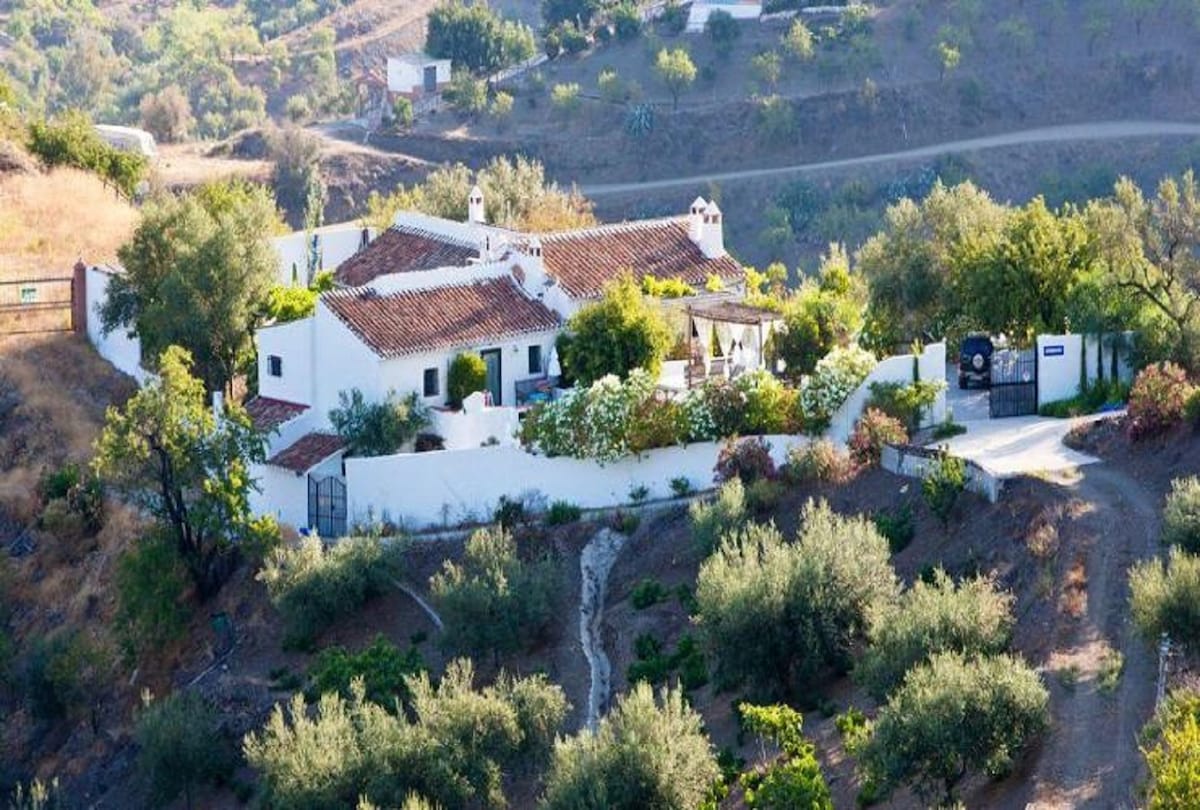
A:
(401, 250)
(268, 414)
(439, 317)
(584, 261)
(307, 452)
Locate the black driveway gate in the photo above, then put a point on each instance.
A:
(327, 505)
(1014, 383)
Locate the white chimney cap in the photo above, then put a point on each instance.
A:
(476, 193)
(712, 208)
(699, 204)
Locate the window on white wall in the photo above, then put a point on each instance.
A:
(275, 365)
(535, 359)
(431, 382)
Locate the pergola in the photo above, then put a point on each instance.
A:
(741, 332)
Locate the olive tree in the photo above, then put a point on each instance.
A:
(972, 618)
(775, 614)
(645, 753)
(953, 715)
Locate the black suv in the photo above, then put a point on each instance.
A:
(975, 360)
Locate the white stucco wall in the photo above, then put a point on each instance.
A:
(335, 244)
(931, 366)
(407, 373)
(341, 362)
(465, 431)
(426, 489)
(1058, 358)
(284, 494)
(293, 344)
(404, 76)
(118, 346)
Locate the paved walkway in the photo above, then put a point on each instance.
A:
(1020, 445)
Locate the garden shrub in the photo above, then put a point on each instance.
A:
(180, 748)
(561, 513)
(378, 428)
(905, 402)
(1164, 597)
(313, 584)
(953, 715)
(1157, 400)
(646, 593)
(854, 729)
(383, 669)
(777, 614)
(972, 618)
(65, 674)
(77, 495)
(897, 527)
(627, 21)
(836, 376)
(712, 520)
(793, 781)
(726, 405)
(615, 335)
(872, 431)
(681, 487)
(1171, 744)
(819, 460)
(762, 496)
(655, 422)
(944, 481)
(467, 374)
(494, 601)
(1181, 515)
(747, 460)
(770, 406)
(645, 753)
(152, 588)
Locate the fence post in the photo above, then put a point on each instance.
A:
(1164, 652)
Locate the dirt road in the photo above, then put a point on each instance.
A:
(1091, 757)
(1098, 131)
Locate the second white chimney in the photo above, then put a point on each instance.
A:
(712, 237)
(475, 213)
(696, 219)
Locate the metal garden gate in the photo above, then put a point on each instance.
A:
(327, 505)
(1014, 383)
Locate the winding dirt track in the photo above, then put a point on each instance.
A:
(1091, 757)
(1098, 131)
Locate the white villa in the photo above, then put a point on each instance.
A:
(428, 289)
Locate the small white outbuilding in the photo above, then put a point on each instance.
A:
(417, 75)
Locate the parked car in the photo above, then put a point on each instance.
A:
(975, 360)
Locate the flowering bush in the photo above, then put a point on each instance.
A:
(835, 378)
(698, 417)
(871, 432)
(607, 421)
(1157, 400)
(726, 407)
(748, 460)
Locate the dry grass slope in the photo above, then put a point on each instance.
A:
(49, 220)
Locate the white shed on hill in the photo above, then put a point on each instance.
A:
(417, 75)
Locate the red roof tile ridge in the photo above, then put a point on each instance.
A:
(436, 236)
(611, 228)
(369, 291)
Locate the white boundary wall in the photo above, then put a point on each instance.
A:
(931, 365)
(1061, 358)
(118, 346)
(911, 464)
(455, 486)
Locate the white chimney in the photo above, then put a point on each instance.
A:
(475, 207)
(696, 219)
(712, 238)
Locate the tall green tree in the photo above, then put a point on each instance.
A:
(168, 452)
(1155, 247)
(621, 332)
(198, 271)
(476, 38)
(824, 313)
